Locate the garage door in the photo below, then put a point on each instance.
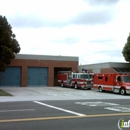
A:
(11, 76)
(37, 76)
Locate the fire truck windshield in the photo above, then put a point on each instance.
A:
(86, 76)
(126, 78)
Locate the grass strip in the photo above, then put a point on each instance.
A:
(3, 93)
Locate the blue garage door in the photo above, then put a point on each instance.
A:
(37, 76)
(11, 76)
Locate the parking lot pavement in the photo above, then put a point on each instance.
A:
(68, 115)
(55, 93)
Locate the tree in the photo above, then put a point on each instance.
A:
(9, 46)
(126, 50)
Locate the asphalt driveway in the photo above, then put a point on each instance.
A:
(55, 93)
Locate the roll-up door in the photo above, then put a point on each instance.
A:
(37, 76)
(11, 77)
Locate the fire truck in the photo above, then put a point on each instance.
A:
(76, 80)
(117, 83)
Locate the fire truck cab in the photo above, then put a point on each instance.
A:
(76, 80)
(117, 83)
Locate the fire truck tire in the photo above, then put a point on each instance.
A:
(76, 86)
(122, 91)
(100, 89)
(62, 84)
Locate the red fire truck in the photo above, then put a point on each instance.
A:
(118, 83)
(76, 80)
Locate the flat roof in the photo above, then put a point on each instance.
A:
(46, 57)
(107, 65)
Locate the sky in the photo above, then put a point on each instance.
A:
(93, 30)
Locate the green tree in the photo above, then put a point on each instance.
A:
(126, 50)
(9, 46)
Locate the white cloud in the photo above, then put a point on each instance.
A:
(95, 32)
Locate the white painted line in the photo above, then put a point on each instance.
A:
(113, 109)
(17, 110)
(121, 109)
(92, 105)
(61, 109)
(113, 104)
(96, 103)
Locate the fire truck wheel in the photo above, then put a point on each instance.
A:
(100, 89)
(122, 91)
(62, 84)
(76, 86)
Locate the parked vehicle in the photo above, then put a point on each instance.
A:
(76, 80)
(117, 83)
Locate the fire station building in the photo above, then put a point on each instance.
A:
(108, 67)
(36, 70)
(42, 70)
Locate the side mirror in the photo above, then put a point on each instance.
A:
(116, 79)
